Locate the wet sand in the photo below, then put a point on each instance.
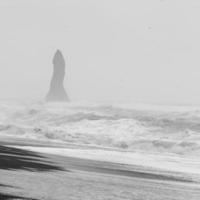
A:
(29, 175)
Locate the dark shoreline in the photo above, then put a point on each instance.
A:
(29, 175)
(87, 165)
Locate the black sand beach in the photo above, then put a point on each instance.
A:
(29, 175)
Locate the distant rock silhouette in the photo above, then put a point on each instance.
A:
(57, 91)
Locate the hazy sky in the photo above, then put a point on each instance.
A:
(115, 50)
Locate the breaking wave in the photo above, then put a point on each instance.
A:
(114, 126)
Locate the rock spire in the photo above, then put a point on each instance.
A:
(57, 91)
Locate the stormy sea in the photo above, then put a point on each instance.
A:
(159, 140)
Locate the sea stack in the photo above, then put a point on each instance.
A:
(57, 91)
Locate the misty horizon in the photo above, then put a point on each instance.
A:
(115, 52)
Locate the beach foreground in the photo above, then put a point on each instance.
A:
(27, 174)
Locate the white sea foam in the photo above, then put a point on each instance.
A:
(136, 128)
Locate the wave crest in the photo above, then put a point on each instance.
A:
(105, 126)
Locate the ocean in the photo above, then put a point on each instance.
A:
(163, 141)
(130, 127)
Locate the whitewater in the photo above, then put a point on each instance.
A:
(143, 132)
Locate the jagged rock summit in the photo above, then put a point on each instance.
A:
(57, 91)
